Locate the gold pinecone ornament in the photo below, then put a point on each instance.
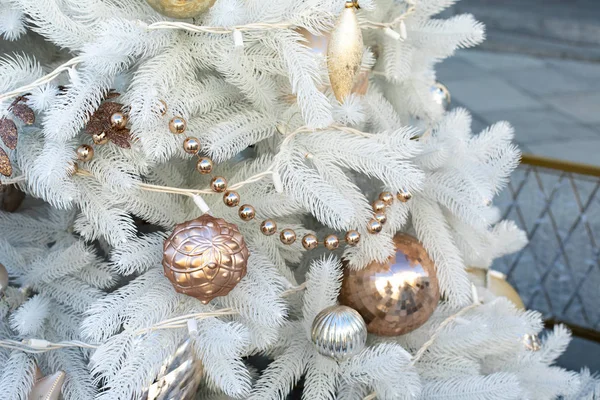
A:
(345, 51)
(205, 258)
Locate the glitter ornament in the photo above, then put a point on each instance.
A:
(395, 297)
(339, 332)
(345, 52)
(205, 258)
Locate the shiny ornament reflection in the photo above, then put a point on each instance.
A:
(441, 95)
(339, 332)
(205, 258)
(179, 377)
(491, 284)
(532, 342)
(181, 9)
(395, 297)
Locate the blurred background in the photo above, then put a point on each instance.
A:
(540, 70)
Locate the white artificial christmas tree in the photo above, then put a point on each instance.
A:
(88, 294)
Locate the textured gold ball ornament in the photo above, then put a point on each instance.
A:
(310, 242)
(268, 227)
(85, 153)
(332, 242)
(395, 297)
(205, 258)
(352, 238)
(181, 9)
(287, 236)
(191, 145)
(231, 198)
(118, 120)
(339, 332)
(247, 212)
(218, 184)
(177, 125)
(204, 166)
(345, 51)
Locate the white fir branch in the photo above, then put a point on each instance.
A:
(138, 255)
(499, 386)
(321, 379)
(17, 376)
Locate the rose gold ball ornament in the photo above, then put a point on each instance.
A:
(374, 226)
(247, 212)
(381, 217)
(231, 198)
(387, 198)
(332, 242)
(310, 242)
(204, 166)
(404, 197)
(345, 52)
(268, 227)
(118, 120)
(352, 238)
(191, 145)
(181, 9)
(100, 139)
(85, 153)
(205, 258)
(287, 236)
(218, 184)
(379, 206)
(395, 297)
(177, 125)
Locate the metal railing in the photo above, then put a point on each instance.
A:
(558, 204)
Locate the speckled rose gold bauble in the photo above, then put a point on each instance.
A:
(181, 9)
(395, 297)
(205, 258)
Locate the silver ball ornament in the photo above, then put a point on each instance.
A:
(339, 332)
(441, 95)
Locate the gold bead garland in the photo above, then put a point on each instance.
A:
(268, 227)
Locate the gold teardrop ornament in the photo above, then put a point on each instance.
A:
(345, 52)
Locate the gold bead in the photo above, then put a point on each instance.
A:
(404, 196)
(204, 166)
(378, 206)
(374, 226)
(191, 145)
(218, 184)
(352, 238)
(287, 236)
(163, 108)
(177, 125)
(100, 139)
(332, 242)
(268, 227)
(85, 153)
(231, 199)
(118, 120)
(387, 198)
(310, 242)
(381, 217)
(247, 212)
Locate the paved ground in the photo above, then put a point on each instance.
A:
(553, 104)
